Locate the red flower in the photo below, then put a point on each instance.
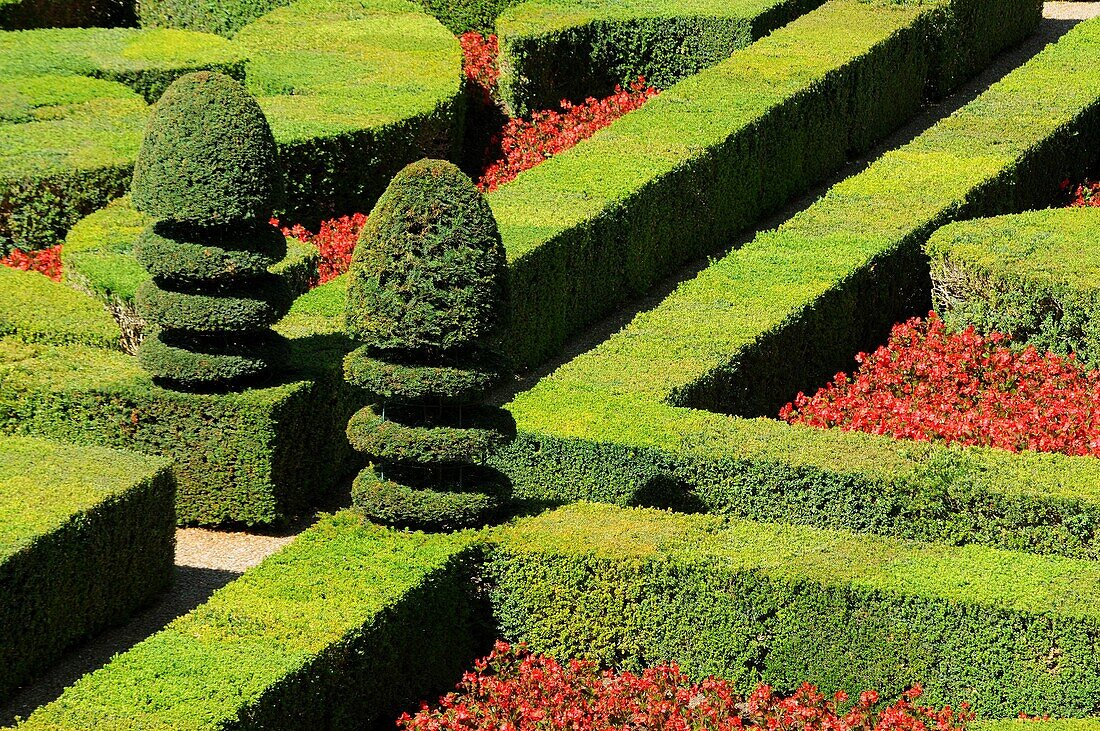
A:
(963, 388)
(45, 261)
(514, 690)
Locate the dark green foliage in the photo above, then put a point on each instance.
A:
(86, 538)
(259, 456)
(441, 507)
(602, 223)
(388, 379)
(186, 255)
(217, 313)
(573, 49)
(343, 629)
(1034, 277)
(466, 437)
(428, 271)
(1006, 632)
(208, 156)
(426, 294)
(195, 363)
(462, 15)
(625, 421)
(207, 169)
(22, 14)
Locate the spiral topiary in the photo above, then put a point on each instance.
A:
(207, 171)
(426, 297)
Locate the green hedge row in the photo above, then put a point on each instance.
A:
(462, 15)
(86, 537)
(254, 457)
(224, 18)
(624, 423)
(1033, 276)
(37, 310)
(322, 70)
(342, 629)
(600, 223)
(552, 50)
(1006, 632)
(23, 14)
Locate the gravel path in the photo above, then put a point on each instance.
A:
(207, 560)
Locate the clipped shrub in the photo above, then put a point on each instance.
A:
(207, 171)
(426, 298)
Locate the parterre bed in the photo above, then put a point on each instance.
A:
(320, 634)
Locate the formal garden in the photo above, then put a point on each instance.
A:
(598, 364)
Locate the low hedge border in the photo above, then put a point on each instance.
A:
(624, 423)
(342, 629)
(319, 68)
(86, 537)
(552, 50)
(37, 310)
(1032, 276)
(1006, 632)
(255, 457)
(600, 223)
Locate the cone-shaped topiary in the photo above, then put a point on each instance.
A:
(426, 295)
(207, 170)
(428, 273)
(208, 155)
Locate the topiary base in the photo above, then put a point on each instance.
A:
(396, 504)
(258, 456)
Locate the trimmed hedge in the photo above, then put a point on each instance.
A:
(1006, 632)
(624, 423)
(70, 143)
(37, 310)
(24, 14)
(1032, 276)
(602, 222)
(86, 537)
(552, 50)
(321, 70)
(224, 18)
(342, 629)
(255, 457)
(462, 15)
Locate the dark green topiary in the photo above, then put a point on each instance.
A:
(208, 156)
(207, 170)
(426, 295)
(427, 275)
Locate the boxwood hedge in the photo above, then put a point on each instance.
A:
(625, 421)
(572, 49)
(600, 223)
(86, 537)
(342, 629)
(37, 310)
(253, 457)
(320, 68)
(1006, 632)
(1032, 276)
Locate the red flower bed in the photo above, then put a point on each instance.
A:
(514, 690)
(45, 261)
(524, 144)
(928, 384)
(336, 242)
(1084, 195)
(479, 54)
